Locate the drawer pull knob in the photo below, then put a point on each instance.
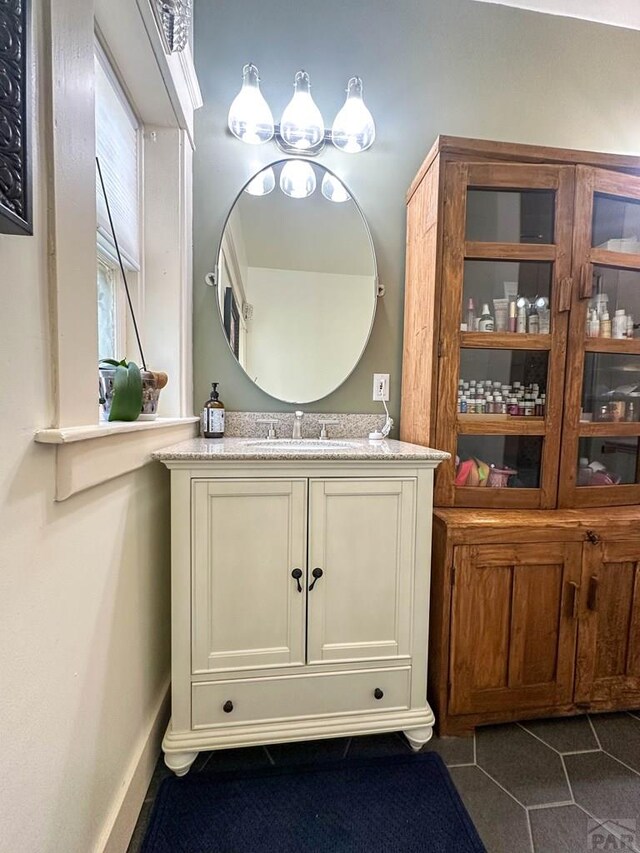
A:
(296, 574)
(317, 574)
(593, 537)
(228, 706)
(378, 693)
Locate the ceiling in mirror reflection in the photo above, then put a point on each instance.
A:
(297, 290)
(303, 234)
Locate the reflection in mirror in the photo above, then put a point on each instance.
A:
(296, 281)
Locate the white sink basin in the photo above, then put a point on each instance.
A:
(301, 445)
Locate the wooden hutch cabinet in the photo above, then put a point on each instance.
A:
(522, 359)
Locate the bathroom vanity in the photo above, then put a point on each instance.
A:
(300, 591)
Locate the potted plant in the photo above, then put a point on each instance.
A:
(128, 393)
(120, 389)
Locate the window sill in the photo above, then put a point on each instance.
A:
(95, 453)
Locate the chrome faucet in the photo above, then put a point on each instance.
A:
(297, 425)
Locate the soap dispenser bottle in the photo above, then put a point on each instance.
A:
(213, 415)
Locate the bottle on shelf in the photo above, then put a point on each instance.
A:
(629, 332)
(533, 320)
(601, 304)
(605, 325)
(471, 315)
(594, 324)
(522, 305)
(544, 314)
(486, 320)
(619, 327)
(501, 315)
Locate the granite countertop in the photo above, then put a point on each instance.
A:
(222, 449)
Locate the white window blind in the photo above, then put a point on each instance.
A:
(117, 150)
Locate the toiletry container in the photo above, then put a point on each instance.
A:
(213, 415)
(605, 325)
(619, 323)
(486, 320)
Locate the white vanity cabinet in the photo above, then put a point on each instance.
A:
(299, 599)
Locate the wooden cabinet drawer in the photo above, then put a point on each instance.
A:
(257, 699)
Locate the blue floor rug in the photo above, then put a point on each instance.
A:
(397, 804)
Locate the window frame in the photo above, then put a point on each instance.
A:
(165, 87)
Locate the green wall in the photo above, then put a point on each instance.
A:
(455, 67)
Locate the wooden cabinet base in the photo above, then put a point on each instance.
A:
(533, 614)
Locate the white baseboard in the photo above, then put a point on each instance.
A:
(118, 829)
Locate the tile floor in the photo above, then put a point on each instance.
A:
(545, 786)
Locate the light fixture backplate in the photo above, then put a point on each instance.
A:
(300, 152)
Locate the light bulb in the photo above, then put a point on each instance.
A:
(302, 125)
(250, 118)
(353, 129)
(262, 184)
(333, 189)
(297, 179)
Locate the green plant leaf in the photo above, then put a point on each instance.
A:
(127, 393)
(114, 362)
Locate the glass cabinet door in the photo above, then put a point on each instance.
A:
(600, 458)
(505, 301)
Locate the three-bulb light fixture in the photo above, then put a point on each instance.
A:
(301, 131)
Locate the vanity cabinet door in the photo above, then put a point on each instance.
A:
(513, 626)
(609, 634)
(248, 609)
(361, 566)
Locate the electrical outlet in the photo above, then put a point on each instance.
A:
(381, 386)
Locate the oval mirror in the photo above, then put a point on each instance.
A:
(296, 281)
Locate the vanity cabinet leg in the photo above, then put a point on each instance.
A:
(180, 762)
(418, 737)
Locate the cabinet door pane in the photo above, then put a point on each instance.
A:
(499, 461)
(361, 536)
(247, 611)
(611, 387)
(517, 294)
(496, 216)
(608, 461)
(616, 223)
(614, 290)
(503, 382)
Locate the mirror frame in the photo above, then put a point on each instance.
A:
(216, 279)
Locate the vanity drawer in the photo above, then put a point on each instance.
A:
(256, 699)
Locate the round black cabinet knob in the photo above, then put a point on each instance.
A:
(228, 706)
(296, 574)
(316, 575)
(378, 693)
